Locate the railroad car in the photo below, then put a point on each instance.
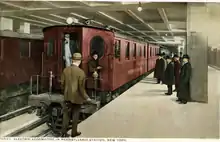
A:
(124, 60)
(20, 57)
(214, 56)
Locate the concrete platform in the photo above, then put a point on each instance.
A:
(145, 112)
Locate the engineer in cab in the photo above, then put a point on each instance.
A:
(93, 65)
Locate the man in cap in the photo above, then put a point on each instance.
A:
(183, 92)
(159, 68)
(177, 67)
(73, 83)
(93, 64)
(169, 75)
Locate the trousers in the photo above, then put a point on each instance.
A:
(70, 111)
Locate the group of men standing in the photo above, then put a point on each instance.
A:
(174, 70)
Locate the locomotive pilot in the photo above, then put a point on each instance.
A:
(73, 83)
(93, 65)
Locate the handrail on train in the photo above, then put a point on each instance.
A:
(51, 76)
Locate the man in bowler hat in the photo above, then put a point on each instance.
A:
(183, 92)
(159, 68)
(169, 75)
(73, 84)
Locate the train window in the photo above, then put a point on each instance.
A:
(128, 50)
(24, 49)
(144, 51)
(134, 51)
(50, 47)
(1, 49)
(97, 45)
(139, 51)
(117, 48)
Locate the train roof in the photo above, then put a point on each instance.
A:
(82, 26)
(7, 33)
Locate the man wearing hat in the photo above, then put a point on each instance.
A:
(73, 84)
(159, 68)
(177, 67)
(183, 92)
(93, 64)
(169, 75)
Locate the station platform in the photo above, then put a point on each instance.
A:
(144, 111)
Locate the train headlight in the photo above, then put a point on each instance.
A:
(69, 20)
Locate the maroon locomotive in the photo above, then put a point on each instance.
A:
(20, 57)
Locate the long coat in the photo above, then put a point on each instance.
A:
(183, 91)
(92, 66)
(169, 74)
(159, 68)
(177, 67)
(73, 83)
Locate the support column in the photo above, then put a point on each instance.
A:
(25, 27)
(197, 45)
(6, 24)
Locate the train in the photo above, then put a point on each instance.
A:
(37, 64)
(19, 58)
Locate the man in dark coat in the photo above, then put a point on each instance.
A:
(159, 69)
(73, 84)
(93, 65)
(169, 75)
(177, 67)
(183, 92)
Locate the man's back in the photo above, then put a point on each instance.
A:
(73, 79)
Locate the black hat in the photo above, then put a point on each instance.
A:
(175, 56)
(168, 57)
(163, 53)
(185, 56)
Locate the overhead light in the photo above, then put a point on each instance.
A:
(69, 20)
(139, 7)
(165, 34)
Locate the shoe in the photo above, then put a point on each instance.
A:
(178, 100)
(168, 94)
(183, 102)
(77, 134)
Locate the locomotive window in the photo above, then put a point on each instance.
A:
(144, 51)
(134, 51)
(127, 49)
(24, 49)
(1, 49)
(117, 48)
(50, 47)
(97, 45)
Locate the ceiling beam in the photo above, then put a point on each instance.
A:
(165, 19)
(114, 7)
(120, 22)
(134, 16)
(181, 31)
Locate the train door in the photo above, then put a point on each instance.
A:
(70, 45)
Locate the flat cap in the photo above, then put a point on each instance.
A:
(186, 56)
(77, 56)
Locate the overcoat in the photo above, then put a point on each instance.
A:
(177, 67)
(159, 69)
(169, 74)
(73, 83)
(92, 66)
(183, 91)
